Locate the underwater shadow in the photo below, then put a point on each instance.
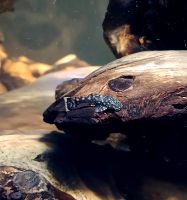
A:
(109, 173)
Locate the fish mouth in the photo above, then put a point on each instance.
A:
(96, 102)
(71, 113)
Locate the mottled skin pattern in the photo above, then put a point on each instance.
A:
(101, 102)
(136, 25)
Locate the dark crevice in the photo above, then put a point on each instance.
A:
(121, 83)
(179, 106)
(130, 77)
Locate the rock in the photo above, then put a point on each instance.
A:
(38, 69)
(24, 176)
(6, 5)
(68, 62)
(131, 26)
(2, 88)
(3, 54)
(25, 59)
(26, 184)
(38, 152)
(142, 95)
(21, 71)
(80, 170)
(32, 99)
(15, 74)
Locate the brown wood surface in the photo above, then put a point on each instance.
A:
(150, 85)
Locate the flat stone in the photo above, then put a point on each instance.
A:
(23, 108)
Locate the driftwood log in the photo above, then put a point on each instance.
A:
(150, 85)
(132, 26)
(143, 96)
